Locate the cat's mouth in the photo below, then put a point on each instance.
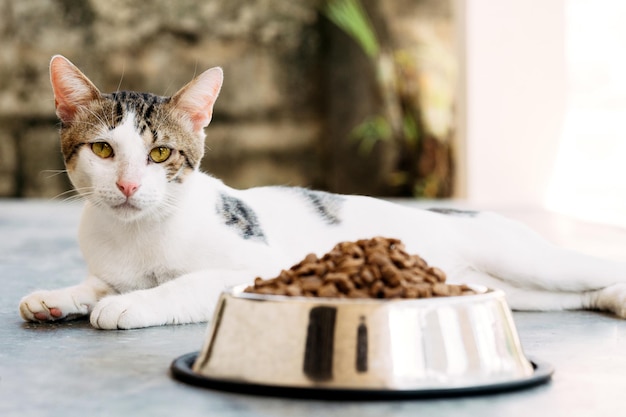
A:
(126, 206)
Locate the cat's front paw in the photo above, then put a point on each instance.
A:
(41, 306)
(126, 311)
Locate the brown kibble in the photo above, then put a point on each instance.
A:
(441, 289)
(356, 293)
(341, 281)
(306, 269)
(419, 262)
(351, 266)
(455, 290)
(346, 286)
(391, 275)
(426, 292)
(396, 292)
(368, 268)
(293, 290)
(376, 289)
(431, 279)
(411, 292)
(401, 259)
(336, 276)
(437, 273)
(411, 277)
(367, 275)
(328, 290)
(378, 259)
(285, 276)
(311, 258)
(260, 282)
(311, 283)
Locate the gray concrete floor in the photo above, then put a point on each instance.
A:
(70, 369)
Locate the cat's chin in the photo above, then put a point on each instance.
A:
(127, 211)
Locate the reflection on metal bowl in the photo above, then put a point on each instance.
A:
(445, 343)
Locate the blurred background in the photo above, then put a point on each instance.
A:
(509, 103)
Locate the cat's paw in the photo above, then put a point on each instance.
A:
(126, 311)
(611, 298)
(41, 306)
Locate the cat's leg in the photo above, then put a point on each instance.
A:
(516, 254)
(611, 298)
(190, 298)
(66, 303)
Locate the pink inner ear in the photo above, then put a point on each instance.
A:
(197, 98)
(201, 119)
(65, 113)
(64, 109)
(71, 88)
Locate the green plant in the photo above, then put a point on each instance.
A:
(417, 100)
(350, 16)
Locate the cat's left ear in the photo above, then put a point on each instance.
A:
(196, 99)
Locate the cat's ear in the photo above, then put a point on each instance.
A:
(196, 99)
(72, 89)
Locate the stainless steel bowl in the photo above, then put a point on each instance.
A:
(448, 343)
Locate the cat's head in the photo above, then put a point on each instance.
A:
(129, 153)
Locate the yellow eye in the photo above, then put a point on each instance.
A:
(102, 149)
(160, 154)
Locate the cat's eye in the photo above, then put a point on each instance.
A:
(102, 149)
(160, 154)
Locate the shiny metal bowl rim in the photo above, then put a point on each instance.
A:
(483, 293)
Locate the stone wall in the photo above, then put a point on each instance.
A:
(282, 64)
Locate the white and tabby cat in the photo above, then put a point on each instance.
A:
(161, 239)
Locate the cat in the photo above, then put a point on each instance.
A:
(161, 239)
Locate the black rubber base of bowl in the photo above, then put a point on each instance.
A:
(181, 370)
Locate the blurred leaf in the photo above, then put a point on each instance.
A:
(350, 16)
(427, 187)
(369, 132)
(411, 130)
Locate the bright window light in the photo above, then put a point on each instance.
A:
(589, 178)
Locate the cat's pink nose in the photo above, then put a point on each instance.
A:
(127, 188)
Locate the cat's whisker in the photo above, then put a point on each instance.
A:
(76, 194)
(64, 193)
(121, 77)
(73, 198)
(53, 172)
(165, 92)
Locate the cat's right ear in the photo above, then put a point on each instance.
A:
(195, 100)
(72, 89)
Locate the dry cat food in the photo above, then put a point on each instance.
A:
(368, 268)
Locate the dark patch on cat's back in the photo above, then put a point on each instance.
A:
(326, 205)
(237, 215)
(454, 212)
